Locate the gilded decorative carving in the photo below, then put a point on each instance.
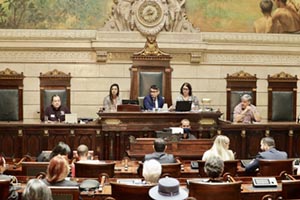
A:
(267, 133)
(55, 73)
(207, 121)
(10, 74)
(112, 121)
(291, 133)
(283, 75)
(151, 48)
(243, 133)
(20, 132)
(241, 76)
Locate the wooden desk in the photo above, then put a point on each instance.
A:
(184, 149)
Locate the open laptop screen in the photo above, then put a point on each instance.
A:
(183, 106)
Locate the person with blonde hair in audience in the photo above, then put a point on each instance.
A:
(36, 189)
(152, 171)
(220, 149)
(57, 172)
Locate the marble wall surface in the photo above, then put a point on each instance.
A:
(97, 59)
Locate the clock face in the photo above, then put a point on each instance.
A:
(149, 13)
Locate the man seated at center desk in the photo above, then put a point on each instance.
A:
(153, 100)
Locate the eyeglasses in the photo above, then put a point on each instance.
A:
(153, 91)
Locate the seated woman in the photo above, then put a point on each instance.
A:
(36, 189)
(220, 149)
(214, 168)
(13, 195)
(57, 172)
(186, 94)
(111, 101)
(60, 149)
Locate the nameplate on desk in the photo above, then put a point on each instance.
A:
(264, 182)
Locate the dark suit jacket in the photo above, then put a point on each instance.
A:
(271, 154)
(149, 104)
(161, 157)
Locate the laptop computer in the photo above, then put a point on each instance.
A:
(130, 101)
(183, 106)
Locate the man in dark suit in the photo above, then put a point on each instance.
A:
(153, 100)
(159, 154)
(267, 145)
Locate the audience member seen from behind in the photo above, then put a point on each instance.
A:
(56, 111)
(57, 172)
(160, 155)
(13, 194)
(220, 149)
(83, 155)
(151, 171)
(60, 149)
(185, 124)
(214, 167)
(36, 189)
(186, 94)
(265, 23)
(111, 101)
(153, 100)
(245, 112)
(267, 145)
(286, 16)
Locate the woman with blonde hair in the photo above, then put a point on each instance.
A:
(57, 172)
(220, 149)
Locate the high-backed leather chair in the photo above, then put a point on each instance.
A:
(282, 97)
(151, 67)
(130, 192)
(238, 84)
(230, 166)
(215, 191)
(4, 189)
(93, 170)
(51, 83)
(11, 95)
(275, 167)
(64, 192)
(168, 169)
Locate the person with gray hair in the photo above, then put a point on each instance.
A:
(245, 112)
(267, 145)
(151, 171)
(36, 189)
(214, 167)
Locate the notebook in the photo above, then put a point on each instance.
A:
(71, 118)
(183, 106)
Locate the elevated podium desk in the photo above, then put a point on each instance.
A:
(184, 149)
(117, 127)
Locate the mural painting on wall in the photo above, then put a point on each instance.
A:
(165, 15)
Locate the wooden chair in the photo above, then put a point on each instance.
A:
(93, 170)
(238, 84)
(54, 82)
(130, 192)
(4, 189)
(64, 193)
(11, 95)
(170, 169)
(275, 167)
(282, 90)
(34, 168)
(215, 191)
(290, 189)
(148, 70)
(230, 166)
